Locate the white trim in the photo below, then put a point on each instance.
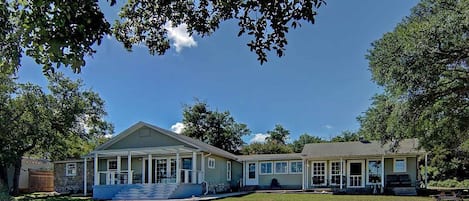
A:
(111, 160)
(362, 162)
(228, 170)
(255, 180)
(367, 170)
(85, 177)
(211, 163)
(313, 174)
(338, 174)
(289, 168)
(271, 168)
(394, 164)
(275, 167)
(74, 170)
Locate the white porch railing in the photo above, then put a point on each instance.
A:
(355, 180)
(114, 177)
(187, 176)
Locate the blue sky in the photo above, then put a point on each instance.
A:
(319, 87)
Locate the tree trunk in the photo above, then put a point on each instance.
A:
(16, 177)
(3, 177)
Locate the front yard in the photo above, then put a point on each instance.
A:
(322, 197)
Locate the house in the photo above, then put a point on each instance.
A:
(175, 165)
(148, 162)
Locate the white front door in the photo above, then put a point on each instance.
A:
(251, 173)
(356, 174)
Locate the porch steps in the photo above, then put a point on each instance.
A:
(404, 191)
(146, 192)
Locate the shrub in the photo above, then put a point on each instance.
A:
(450, 183)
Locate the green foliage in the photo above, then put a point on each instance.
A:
(346, 136)
(215, 128)
(266, 148)
(423, 67)
(278, 136)
(297, 145)
(450, 183)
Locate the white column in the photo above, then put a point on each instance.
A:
(96, 175)
(426, 172)
(143, 170)
(382, 174)
(307, 174)
(202, 167)
(150, 168)
(341, 172)
(303, 176)
(178, 171)
(85, 185)
(194, 167)
(129, 168)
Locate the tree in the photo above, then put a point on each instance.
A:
(346, 136)
(266, 148)
(297, 145)
(215, 128)
(279, 135)
(423, 67)
(33, 121)
(62, 33)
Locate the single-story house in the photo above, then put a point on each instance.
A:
(148, 162)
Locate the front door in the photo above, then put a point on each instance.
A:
(356, 174)
(251, 173)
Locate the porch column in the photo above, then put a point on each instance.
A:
(382, 174)
(96, 175)
(202, 167)
(150, 168)
(307, 174)
(426, 173)
(178, 171)
(119, 164)
(194, 167)
(129, 168)
(341, 172)
(85, 185)
(303, 176)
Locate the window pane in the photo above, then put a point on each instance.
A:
(281, 167)
(355, 168)
(252, 170)
(374, 171)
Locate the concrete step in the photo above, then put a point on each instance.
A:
(146, 192)
(405, 191)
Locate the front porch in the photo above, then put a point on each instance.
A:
(169, 171)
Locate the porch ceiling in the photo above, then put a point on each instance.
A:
(144, 151)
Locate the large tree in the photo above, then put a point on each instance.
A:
(297, 145)
(423, 67)
(279, 135)
(50, 124)
(213, 127)
(56, 33)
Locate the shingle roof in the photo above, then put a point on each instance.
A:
(266, 157)
(345, 149)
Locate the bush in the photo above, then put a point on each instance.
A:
(450, 183)
(4, 196)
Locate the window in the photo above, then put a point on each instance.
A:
(266, 168)
(252, 170)
(335, 173)
(228, 170)
(112, 165)
(71, 169)
(281, 167)
(296, 167)
(319, 173)
(400, 165)
(374, 171)
(211, 163)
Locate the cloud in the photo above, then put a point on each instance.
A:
(179, 36)
(327, 126)
(108, 136)
(259, 137)
(178, 127)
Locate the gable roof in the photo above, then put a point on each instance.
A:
(182, 138)
(270, 157)
(345, 149)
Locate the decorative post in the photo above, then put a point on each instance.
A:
(341, 172)
(129, 168)
(96, 176)
(382, 174)
(194, 167)
(85, 185)
(202, 166)
(178, 170)
(150, 168)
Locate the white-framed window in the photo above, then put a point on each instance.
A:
(319, 173)
(211, 163)
(71, 169)
(228, 170)
(281, 167)
(112, 165)
(266, 168)
(400, 165)
(375, 169)
(335, 172)
(296, 167)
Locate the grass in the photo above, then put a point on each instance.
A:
(57, 198)
(322, 197)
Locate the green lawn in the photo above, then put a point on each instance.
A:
(322, 197)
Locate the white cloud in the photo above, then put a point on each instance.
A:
(178, 127)
(180, 37)
(259, 137)
(327, 126)
(108, 136)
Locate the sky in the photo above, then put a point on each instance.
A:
(319, 87)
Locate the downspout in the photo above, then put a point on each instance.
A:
(206, 183)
